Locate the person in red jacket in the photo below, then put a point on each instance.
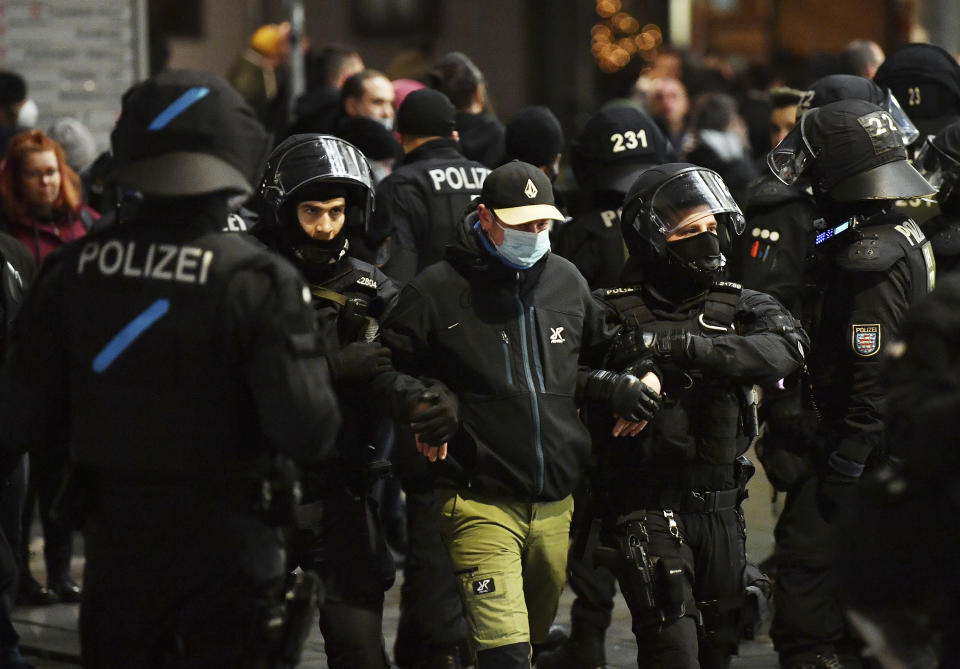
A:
(40, 195)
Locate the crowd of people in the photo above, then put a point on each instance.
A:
(259, 355)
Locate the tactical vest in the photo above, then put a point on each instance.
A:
(703, 415)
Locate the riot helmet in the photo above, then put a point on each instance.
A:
(664, 200)
(939, 162)
(317, 167)
(926, 80)
(849, 151)
(848, 86)
(184, 133)
(615, 145)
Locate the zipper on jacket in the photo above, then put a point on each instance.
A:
(538, 366)
(534, 402)
(505, 340)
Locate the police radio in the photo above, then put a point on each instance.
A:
(825, 233)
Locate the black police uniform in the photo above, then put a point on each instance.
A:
(340, 533)
(418, 202)
(178, 330)
(16, 276)
(871, 264)
(338, 530)
(181, 367)
(904, 583)
(677, 488)
(866, 285)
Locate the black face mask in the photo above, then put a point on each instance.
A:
(690, 267)
(700, 252)
(315, 258)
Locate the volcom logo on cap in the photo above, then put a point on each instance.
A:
(530, 191)
(484, 586)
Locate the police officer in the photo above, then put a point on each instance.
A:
(939, 161)
(926, 80)
(872, 264)
(179, 364)
(319, 186)
(673, 532)
(901, 588)
(614, 146)
(418, 202)
(774, 255)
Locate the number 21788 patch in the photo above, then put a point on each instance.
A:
(866, 339)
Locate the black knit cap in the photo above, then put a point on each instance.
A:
(13, 88)
(426, 113)
(926, 80)
(534, 136)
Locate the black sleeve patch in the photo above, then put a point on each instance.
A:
(484, 586)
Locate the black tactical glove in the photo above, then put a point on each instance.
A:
(629, 345)
(628, 397)
(837, 485)
(359, 362)
(435, 417)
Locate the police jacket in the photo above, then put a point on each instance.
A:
(420, 203)
(691, 444)
(771, 255)
(593, 243)
(165, 350)
(508, 344)
(868, 278)
(944, 234)
(343, 323)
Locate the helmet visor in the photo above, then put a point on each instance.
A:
(932, 163)
(692, 195)
(314, 159)
(908, 131)
(792, 156)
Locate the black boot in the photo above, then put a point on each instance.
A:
(31, 593)
(583, 650)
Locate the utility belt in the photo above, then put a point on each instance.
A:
(356, 478)
(694, 502)
(270, 496)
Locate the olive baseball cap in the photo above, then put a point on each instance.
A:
(519, 193)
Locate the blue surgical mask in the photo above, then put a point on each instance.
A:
(522, 250)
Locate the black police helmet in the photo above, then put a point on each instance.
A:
(939, 162)
(835, 87)
(615, 145)
(926, 80)
(308, 160)
(662, 198)
(858, 154)
(186, 133)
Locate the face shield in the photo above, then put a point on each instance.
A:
(908, 131)
(309, 159)
(933, 163)
(693, 195)
(792, 156)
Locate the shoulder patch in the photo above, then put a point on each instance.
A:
(865, 339)
(614, 292)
